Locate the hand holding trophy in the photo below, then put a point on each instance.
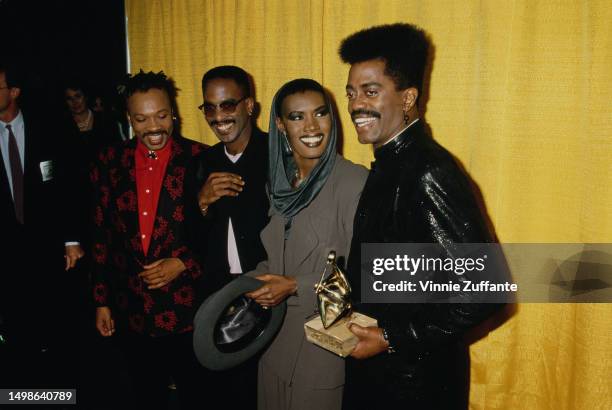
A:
(329, 329)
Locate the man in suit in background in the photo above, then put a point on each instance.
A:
(146, 279)
(35, 299)
(233, 200)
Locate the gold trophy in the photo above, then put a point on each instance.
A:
(329, 328)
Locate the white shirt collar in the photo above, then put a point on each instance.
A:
(233, 158)
(16, 122)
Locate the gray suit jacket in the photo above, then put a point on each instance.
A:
(325, 225)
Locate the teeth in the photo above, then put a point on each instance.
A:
(224, 127)
(362, 122)
(311, 140)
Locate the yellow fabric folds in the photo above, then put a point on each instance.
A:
(520, 92)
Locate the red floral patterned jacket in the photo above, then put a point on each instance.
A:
(117, 248)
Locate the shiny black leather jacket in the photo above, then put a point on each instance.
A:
(416, 193)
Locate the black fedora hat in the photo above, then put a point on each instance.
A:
(229, 328)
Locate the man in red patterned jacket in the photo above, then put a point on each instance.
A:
(146, 278)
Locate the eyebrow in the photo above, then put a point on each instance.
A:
(224, 101)
(373, 83)
(364, 85)
(157, 112)
(322, 107)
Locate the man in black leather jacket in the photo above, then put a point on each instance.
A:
(415, 193)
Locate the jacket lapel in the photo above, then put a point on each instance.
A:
(171, 191)
(307, 242)
(274, 234)
(123, 176)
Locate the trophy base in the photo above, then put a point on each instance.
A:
(337, 338)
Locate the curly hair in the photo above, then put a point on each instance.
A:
(143, 82)
(403, 47)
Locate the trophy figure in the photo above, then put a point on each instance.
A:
(329, 329)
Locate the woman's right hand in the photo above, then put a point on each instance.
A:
(276, 289)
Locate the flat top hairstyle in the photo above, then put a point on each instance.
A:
(299, 85)
(143, 82)
(230, 72)
(403, 47)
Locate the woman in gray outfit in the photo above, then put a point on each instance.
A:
(313, 193)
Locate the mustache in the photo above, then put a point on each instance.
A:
(216, 122)
(367, 113)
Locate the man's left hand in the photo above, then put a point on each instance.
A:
(371, 341)
(161, 272)
(72, 255)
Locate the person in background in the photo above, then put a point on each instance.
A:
(36, 310)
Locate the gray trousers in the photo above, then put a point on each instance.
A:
(274, 393)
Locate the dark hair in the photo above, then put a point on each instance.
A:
(403, 47)
(76, 85)
(230, 72)
(13, 75)
(143, 82)
(299, 85)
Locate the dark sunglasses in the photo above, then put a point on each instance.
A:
(226, 107)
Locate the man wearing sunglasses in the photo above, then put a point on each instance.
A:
(233, 200)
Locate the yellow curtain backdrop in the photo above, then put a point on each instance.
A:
(521, 93)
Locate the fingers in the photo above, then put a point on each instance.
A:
(154, 264)
(71, 261)
(106, 326)
(259, 293)
(214, 184)
(150, 272)
(157, 282)
(214, 175)
(357, 330)
(265, 277)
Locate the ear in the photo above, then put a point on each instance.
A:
(410, 96)
(250, 105)
(15, 92)
(280, 125)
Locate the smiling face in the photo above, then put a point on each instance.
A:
(306, 120)
(227, 111)
(376, 106)
(150, 114)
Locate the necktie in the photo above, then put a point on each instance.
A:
(17, 174)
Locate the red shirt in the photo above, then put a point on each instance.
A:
(150, 172)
